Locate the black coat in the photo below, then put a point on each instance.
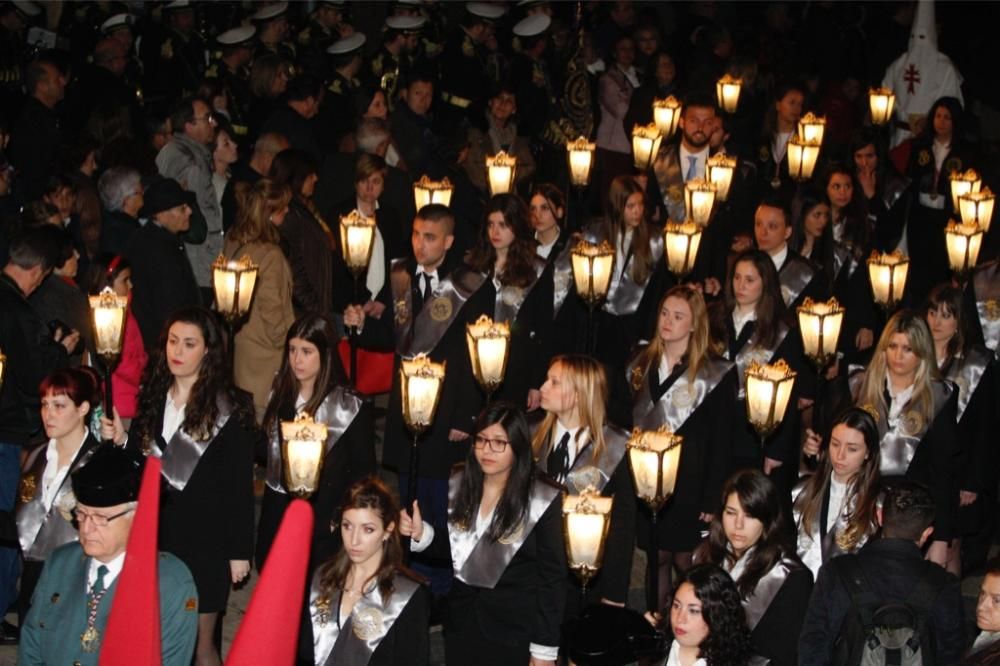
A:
(892, 567)
(33, 142)
(309, 251)
(117, 228)
(242, 172)
(287, 122)
(774, 635)
(162, 279)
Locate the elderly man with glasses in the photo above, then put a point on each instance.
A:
(70, 607)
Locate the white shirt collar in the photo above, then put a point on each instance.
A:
(739, 321)
(701, 157)
(358, 202)
(675, 660)
(54, 475)
(544, 250)
(577, 439)
(899, 399)
(114, 568)
(779, 257)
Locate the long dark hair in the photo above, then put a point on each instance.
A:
(864, 486)
(369, 493)
(951, 299)
(513, 506)
(519, 268)
(770, 307)
(623, 187)
(954, 107)
(292, 167)
(760, 499)
(319, 331)
(728, 640)
(214, 382)
(856, 230)
(822, 252)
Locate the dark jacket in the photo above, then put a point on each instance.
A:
(58, 300)
(161, 277)
(309, 252)
(287, 122)
(116, 231)
(892, 567)
(33, 141)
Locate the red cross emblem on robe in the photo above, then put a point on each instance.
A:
(911, 76)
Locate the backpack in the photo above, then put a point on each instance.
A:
(880, 633)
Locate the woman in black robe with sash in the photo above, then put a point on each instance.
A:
(312, 382)
(365, 608)
(679, 385)
(751, 539)
(202, 428)
(971, 369)
(505, 541)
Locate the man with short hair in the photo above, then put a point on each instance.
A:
(36, 133)
(70, 608)
(986, 647)
(412, 126)
(250, 171)
(889, 569)
(798, 276)
(294, 120)
(187, 159)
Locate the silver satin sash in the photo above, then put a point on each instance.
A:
(562, 278)
(589, 473)
(184, 452)
(965, 372)
(986, 286)
(843, 257)
(899, 443)
(369, 622)
(510, 298)
(759, 353)
(40, 531)
(434, 318)
(337, 411)
(765, 592)
(794, 277)
(489, 559)
(813, 549)
(402, 301)
(681, 400)
(626, 297)
(894, 188)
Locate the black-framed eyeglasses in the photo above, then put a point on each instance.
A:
(496, 445)
(79, 518)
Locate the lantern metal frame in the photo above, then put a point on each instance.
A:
(427, 191)
(358, 265)
(586, 255)
(696, 191)
(645, 137)
(501, 160)
(881, 103)
(811, 128)
(579, 173)
(803, 156)
(776, 374)
(814, 310)
(240, 269)
(588, 503)
(418, 367)
(692, 232)
(963, 182)
(896, 267)
(485, 328)
(728, 100)
(977, 208)
(303, 429)
(667, 115)
(719, 170)
(965, 241)
(108, 303)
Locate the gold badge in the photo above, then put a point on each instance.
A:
(27, 488)
(764, 155)
(512, 537)
(675, 192)
(870, 408)
(441, 308)
(322, 610)
(367, 623)
(90, 639)
(636, 377)
(167, 50)
(953, 164)
(402, 311)
(683, 397)
(912, 423)
(923, 158)
(335, 87)
(468, 50)
(191, 604)
(991, 308)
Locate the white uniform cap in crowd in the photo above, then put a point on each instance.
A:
(405, 23)
(177, 6)
(270, 12)
(27, 7)
(237, 36)
(533, 25)
(347, 44)
(485, 10)
(115, 22)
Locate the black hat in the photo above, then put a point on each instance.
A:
(162, 195)
(112, 476)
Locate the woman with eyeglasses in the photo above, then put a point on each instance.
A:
(505, 541)
(68, 398)
(202, 428)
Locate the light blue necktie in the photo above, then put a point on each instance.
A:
(692, 168)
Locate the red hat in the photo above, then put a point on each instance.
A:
(133, 632)
(269, 632)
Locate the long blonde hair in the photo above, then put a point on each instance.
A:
(255, 206)
(915, 328)
(698, 344)
(586, 378)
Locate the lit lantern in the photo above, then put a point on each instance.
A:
(964, 183)
(964, 241)
(233, 282)
(888, 276)
(427, 191)
(303, 447)
(592, 266)
(501, 169)
(586, 518)
(3, 366)
(357, 239)
(653, 456)
(802, 158)
(680, 243)
(645, 145)
(699, 201)
(666, 115)
(420, 380)
(489, 349)
(580, 155)
(108, 313)
(769, 388)
(819, 324)
(727, 90)
(880, 103)
(977, 208)
(719, 169)
(811, 127)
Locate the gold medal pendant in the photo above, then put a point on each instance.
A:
(90, 639)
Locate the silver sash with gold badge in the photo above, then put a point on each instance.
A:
(562, 278)
(183, 451)
(627, 295)
(759, 353)
(899, 440)
(794, 277)
(510, 298)
(589, 473)
(986, 286)
(435, 317)
(488, 559)
(681, 400)
(369, 622)
(814, 548)
(965, 372)
(337, 411)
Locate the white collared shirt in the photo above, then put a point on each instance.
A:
(838, 496)
(899, 400)
(435, 280)
(984, 640)
(54, 475)
(173, 418)
(674, 658)
(701, 158)
(780, 145)
(779, 257)
(114, 568)
(739, 321)
(375, 277)
(940, 151)
(544, 251)
(621, 250)
(577, 441)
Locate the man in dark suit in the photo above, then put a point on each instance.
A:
(294, 120)
(799, 277)
(36, 134)
(161, 273)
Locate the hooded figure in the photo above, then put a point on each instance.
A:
(921, 75)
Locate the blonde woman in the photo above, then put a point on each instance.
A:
(260, 342)
(576, 446)
(917, 414)
(677, 383)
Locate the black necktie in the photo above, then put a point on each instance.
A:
(427, 287)
(558, 462)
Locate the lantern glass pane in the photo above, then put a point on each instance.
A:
(719, 169)
(585, 539)
(303, 466)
